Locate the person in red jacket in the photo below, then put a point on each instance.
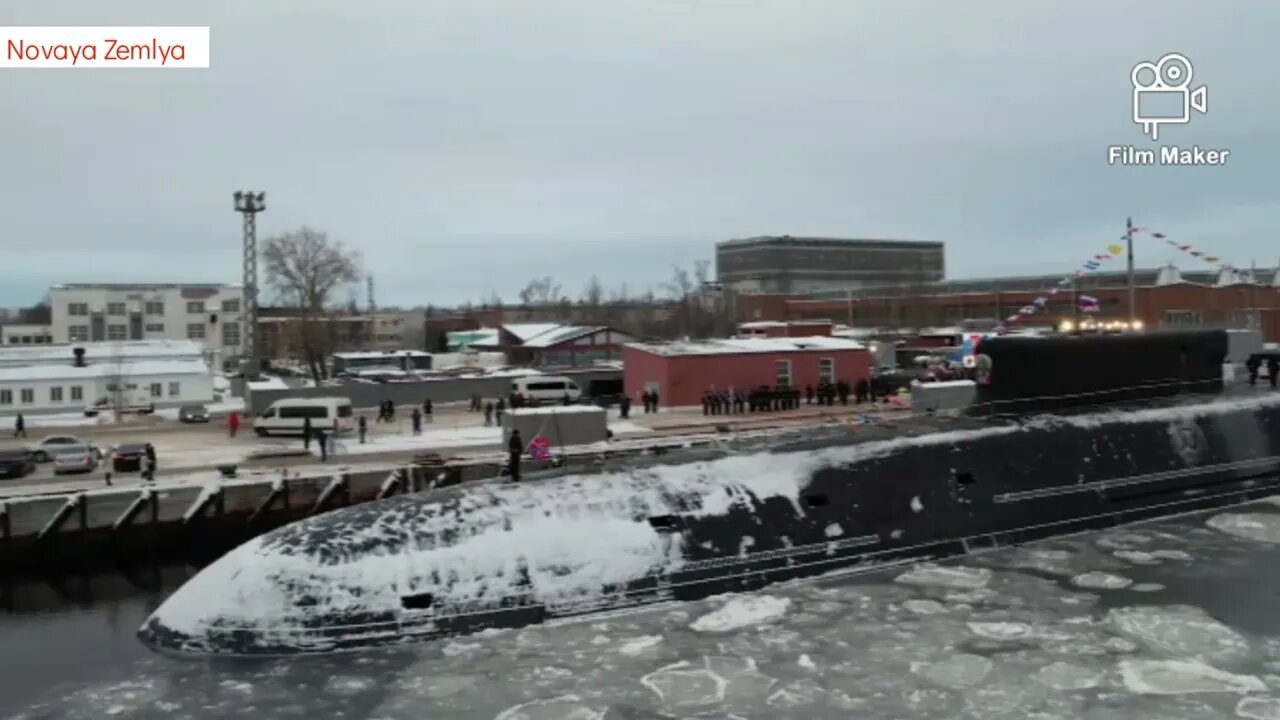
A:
(233, 423)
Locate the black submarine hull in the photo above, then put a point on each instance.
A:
(500, 555)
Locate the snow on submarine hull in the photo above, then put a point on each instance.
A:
(499, 555)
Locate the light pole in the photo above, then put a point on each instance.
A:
(1128, 242)
(249, 205)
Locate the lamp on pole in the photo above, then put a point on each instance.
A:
(249, 204)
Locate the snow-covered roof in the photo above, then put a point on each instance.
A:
(143, 368)
(525, 332)
(374, 355)
(737, 346)
(561, 334)
(110, 350)
(764, 324)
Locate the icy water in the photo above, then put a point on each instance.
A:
(1173, 620)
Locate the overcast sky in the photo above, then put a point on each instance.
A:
(463, 147)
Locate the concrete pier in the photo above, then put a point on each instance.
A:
(198, 522)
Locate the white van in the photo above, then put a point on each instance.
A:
(287, 416)
(546, 388)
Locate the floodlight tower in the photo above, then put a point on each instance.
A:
(249, 205)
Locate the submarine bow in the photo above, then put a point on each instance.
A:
(458, 559)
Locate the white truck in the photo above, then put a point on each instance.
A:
(126, 397)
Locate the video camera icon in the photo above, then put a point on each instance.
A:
(1161, 94)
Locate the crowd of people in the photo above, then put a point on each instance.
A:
(784, 397)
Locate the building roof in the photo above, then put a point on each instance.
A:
(783, 240)
(764, 324)
(57, 354)
(389, 354)
(524, 332)
(742, 346)
(143, 368)
(143, 287)
(562, 334)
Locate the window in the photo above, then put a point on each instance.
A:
(175, 389)
(827, 370)
(231, 306)
(78, 333)
(77, 308)
(156, 390)
(155, 327)
(6, 397)
(28, 396)
(312, 411)
(1181, 318)
(77, 393)
(195, 331)
(783, 373)
(1243, 319)
(547, 386)
(195, 307)
(117, 332)
(115, 309)
(154, 307)
(231, 334)
(55, 394)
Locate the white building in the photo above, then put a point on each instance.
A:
(38, 379)
(26, 334)
(209, 314)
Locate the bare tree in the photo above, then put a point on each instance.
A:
(593, 300)
(304, 268)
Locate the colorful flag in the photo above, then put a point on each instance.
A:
(540, 448)
(1089, 303)
(1115, 249)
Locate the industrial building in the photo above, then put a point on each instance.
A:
(541, 344)
(1164, 297)
(206, 313)
(788, 264)
(26, 334)
(38, 379)
(682, 371)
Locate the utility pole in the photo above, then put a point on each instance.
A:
(249, 205)
(1133, 295)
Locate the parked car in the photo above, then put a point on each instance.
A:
(46, 448)
(128, 457)
(193, 414)
(74, 459)
(16, 463)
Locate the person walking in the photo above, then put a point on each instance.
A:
(415, 419)
(233, 423)
(427, 410)
(323, 442)
(515, 448)
(488, 413)
(306, 433)
(624, 406)
(20, 426)
(499, 411)
(362, 426)
(150, 463)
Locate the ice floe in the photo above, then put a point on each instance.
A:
(1147, 587)
(1178, 677)
(1101, 581)
(958, 671)
(960, 578)
(565, 707)
(925, 607)
(635, 646)
(1262, 527)
(741, 612)
(1179, 631)
(1259, 708)
(1066, 676)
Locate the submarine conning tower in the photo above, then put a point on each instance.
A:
(1025, 374)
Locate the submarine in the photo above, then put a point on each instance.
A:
(1064, 434)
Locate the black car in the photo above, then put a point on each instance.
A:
(128, 457)
(16, 463)
(193, 414)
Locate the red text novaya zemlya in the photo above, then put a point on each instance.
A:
(109, 50)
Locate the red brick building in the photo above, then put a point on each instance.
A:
(682, 371)
(1164, 298)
